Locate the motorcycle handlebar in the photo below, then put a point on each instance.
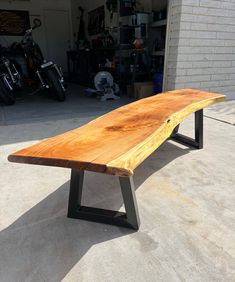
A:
(27, 33)
(37, 23)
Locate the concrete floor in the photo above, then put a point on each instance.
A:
(186, 201)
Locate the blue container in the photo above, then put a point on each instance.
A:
(158, 83)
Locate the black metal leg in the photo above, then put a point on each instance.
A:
(75, 195)
(130, 203)
(198, 141)
(199, 129)
(176, 130)
(129, 219)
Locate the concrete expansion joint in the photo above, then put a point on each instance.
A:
(220, 120)
(30, 225)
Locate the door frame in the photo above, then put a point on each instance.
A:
(169, 14)
(71, 38)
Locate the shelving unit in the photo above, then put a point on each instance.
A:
(158, 53)
(158, 30)
(159, 23)
(157, 34)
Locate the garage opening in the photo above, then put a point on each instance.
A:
(121, 43)
(111, 48)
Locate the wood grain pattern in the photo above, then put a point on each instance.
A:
(119, 141)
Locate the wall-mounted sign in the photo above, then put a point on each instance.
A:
(96, 21)
(14, 22)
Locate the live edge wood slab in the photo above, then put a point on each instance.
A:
(119, 141)
(116, 144)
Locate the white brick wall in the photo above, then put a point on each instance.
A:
(201, 46)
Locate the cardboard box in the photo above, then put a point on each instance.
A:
(143, 89)
(130, 91)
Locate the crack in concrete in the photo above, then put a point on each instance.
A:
(220, 120)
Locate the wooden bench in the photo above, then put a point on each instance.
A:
(116, 144)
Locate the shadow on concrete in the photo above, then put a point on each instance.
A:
(41, 108)
(38, 117)
(44, 245)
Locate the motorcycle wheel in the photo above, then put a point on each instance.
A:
(6, 95)
(55, 85)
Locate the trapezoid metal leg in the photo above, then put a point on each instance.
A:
(75, 195)
(130, 219)
(176, 130)
(185, 140)
(199, 129)
(129, 199)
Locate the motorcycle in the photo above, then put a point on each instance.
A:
(10, 80)
(45, 74)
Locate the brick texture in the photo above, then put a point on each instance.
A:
(201, 46)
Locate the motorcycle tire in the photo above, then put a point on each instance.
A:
(55, 85)
(6, 95)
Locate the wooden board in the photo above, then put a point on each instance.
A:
(119, 141)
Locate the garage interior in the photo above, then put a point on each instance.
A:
(130, 45)
(122, 41)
